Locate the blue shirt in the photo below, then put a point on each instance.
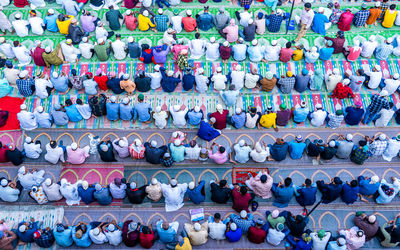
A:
(177, 152)
(64, 238)
(168, 83)
(306, 196)
(84, 241)
(229, 97)
(25, 86)
(113, 84)
(194, 118)
(161, 22)
(125, 112)
(207, 132)
(205, 21)
(238, 121)
(366, 188)
(51, 23)
(60, 118)
(353, 115)
(300, 114)
(86, 195)
(239, 52)
(196, 195)
(153, 155)
(302, 245)
(283, 195)
(350, 194)
(90, 87)
(325, 53)
(142, 110)
(27, 236)
(318, 25)
(188, 81)
(234, 236)
(103, 196)
(166, 236)
(60, 83)
(73, 113)
(330, 192)
(275, 22)
(44, 120)
(296, 149)
(278, 152)
(112, 111)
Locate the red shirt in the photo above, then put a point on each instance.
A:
(240, 202)
(131, 22)
(286, 54)
(189, 23)
(146, 240)
(36, 54)
(21, 3)
(220, 119)
(3, 156)
(256, 235)
(101, 81)
(342, 91)
(225, 52)
(345, 20)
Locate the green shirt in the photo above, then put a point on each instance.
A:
(113, 17)
(102, 51)
(52, 58)
(273, 222)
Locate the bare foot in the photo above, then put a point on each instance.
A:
(364, 200)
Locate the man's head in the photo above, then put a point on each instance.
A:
(308, 182)
(243, 190)
(222, 183)
(288, 181)
(307, 6)
(217, 217)
(165, 225)
(288, 45)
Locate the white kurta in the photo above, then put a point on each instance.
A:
(212, 51)
(173, 196)
(179, 117)
(32, 150)
(6, 49)
(392, 150)
(27, 120)
(20, 27)
(52, 192)
(70, 193)
(85, 49)
(176, 22)
(238, 79)
(160, 119)
(219, 81)
(196, 48)
(118, 48)
(41, 87)
(36, 25)
(53, 155)
(29, 179)
(70, 52)
(23, 55)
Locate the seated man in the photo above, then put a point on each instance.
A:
(63, 235)
(27, 229)
(217, 227)
(256, 233)
(166, 231)
(80, 234)
(198, 234)
(261, 184)
(283, 192)
(196, 194)
(243, 221)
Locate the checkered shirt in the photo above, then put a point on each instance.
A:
(377, 147)
(243, 224)
(242, 3)
(384, 7)
(167, 162)
(377, 103)
(359, 155)
(46, 240)
(334, 18)
(161, 22)
(287, 84)
(361, 17)
(24, 86)
(275, 22)
(335, 120)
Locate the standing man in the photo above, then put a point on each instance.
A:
(305, 21)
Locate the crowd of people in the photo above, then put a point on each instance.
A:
(280, 224)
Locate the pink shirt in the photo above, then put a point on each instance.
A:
(131, 22)
(218, 157)
(354, 54)
(77, 156)
(286, 55)
(232, 31)
(262, 189)
(177, 49)
(137, 152)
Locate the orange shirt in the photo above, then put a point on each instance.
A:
(374, 13)
(128, 86)
(189, 23)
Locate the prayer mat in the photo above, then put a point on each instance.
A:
(240, 175)
(93, 173)
(12, 105)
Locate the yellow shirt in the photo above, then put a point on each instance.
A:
(64, 25)
(389, 19)
(268, 120)
(145, 23)
(297, 55)
(186, 245)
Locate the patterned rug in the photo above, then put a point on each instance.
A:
(92, 173)
(240, 175)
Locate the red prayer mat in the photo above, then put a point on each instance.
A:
(240, 175)
(12, 105)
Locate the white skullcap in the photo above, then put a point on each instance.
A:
(96, 231)
(197, 226)
(191, 185)
(342, 241)
(233, 226)
(177, 142)
(382, 137)
(111, 227)
(321, 9)
(2, 39)
(23, 73)
(243, 214)
(84, 39)
(126, 76)
(374, 179)
(22, 228)
(212, 39)
(226, 43)
(250, 21)
(254, 42)
(274, 42)
(23, 107)
(113, 99)
(176, 108)
(100, 40)
(47, 182)
(240, 40)
(318, 106)
(396, 76)
(63, 181)
(137, 142)
(213, 120)
(145, 13)
(4, 182)
(196, 109)
(160, 11)
(125, 100)
(200, 70)
(384, 93)
(153, 143)
(314, 49)
(346, 81)
(377, 4)
(332, 144)
(238, 111)
(275, 214)
(175, 134)
(372, 219)
(219, 107)
(128, 12)
(85, 185)
(154, 181)
(104, 147)
(40, 109)
(74, 145)
(97, 187)
(188, 12)
(373, 37)
(47, 49)
(51, 11)
(157, 67)
(279, 11)
(389, 40)
(174, 182)
(18, 15)
(238, 67)
(170, 73)
(241, 143)
(37, 43)
(218, 69)
(357, 43)
(28, 139)
(336, 71)
(55, 74)
(158, 109)
(22, 170)
(133, 185)
(349, 137)
(377, 67)
(130, 39)
(122, 143)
